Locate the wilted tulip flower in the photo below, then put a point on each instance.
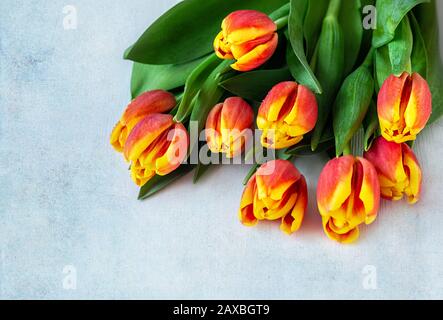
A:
(404, 107)
(348, 194)
(247, 36)
(156, 101)
(288, 112)
(398, 170)
(156, 145)
(276, 191)
(228, 126)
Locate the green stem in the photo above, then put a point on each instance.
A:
(334, 8)
(192, 86)
(282, 22)
(347, 150)
(280, 12)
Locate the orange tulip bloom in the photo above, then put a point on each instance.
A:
(404, 107)
(247, 36)
(227, 125)
(288, 112)
(156, 101)
(348, 194)
(398, 170)
(276, 191)
(156, 145)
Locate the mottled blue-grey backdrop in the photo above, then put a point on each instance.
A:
(70, 224)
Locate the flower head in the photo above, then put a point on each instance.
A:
(247, 36)
(276, 192)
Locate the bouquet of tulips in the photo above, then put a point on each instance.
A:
(264, 82)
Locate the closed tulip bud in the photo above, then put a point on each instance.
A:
(228, 125)
(277, 191)
(247, 36)
(156, 101)
(156, 145)
(288, 112)
(348, 194)
(398, 170)
(404, 107)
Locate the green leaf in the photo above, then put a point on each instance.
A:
(400, 48)
(301, 71)
(146, 77)
(329, 70)
(389, 15)
(158, 183)
(350, 19)
(255, 85)
(383, 68)
(209, 96)
(419, 55)
(370, 125)
(312, 23)
(193, 85)
(427, 17)
(186, 31)
(351, 105)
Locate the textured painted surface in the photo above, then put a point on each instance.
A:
(67, 199)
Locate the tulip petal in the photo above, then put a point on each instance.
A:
(292, 221)
(414, 174)
(419, 107)
(244, 25)
(246, 213)
(144, 133)
(176, 153)
(370, 191)
(346, 235)
(256, 57)
(335, 184)
(275, 177)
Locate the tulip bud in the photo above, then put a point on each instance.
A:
(404, 107)
(398, 170)
(276, 191)
(288, 112)
(247, 36)
(156, 101)
(156, 145)
(348, 194)
(227, 126)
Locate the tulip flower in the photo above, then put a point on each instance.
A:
(348, 194)
(247, 36)
(227, 126)
(277, 191)
(398, 170)
(156, 101)
(288, 112)
(404, 107)
(156, 145)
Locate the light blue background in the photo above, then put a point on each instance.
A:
(66, 198)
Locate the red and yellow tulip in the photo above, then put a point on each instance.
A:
(348, 194)
(156, 145)
(277, 191)
(247, 36)
(404, 106)
(227, 126)
(288, 112)
(156, 101)
(398, 170)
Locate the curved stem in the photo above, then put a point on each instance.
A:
(282, 22)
